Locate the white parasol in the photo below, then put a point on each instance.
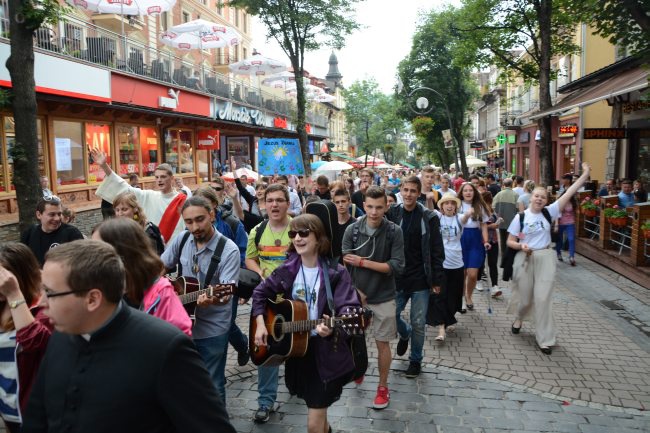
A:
(200, 34)
(257, 65)
(335, 166)
(125, 7)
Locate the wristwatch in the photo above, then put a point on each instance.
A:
(14, 304)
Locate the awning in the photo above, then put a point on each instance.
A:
(625, 82)
(406, 164)
(342, 156)
(489, 152)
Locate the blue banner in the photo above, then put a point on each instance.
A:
(280, 156)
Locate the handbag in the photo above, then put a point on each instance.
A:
(357, 342)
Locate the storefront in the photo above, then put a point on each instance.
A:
(566, 145)
(522, 155)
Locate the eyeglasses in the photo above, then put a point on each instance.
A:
(217, 189)
(275, 200)
(303, 233)
(50, 294)
(52, 199)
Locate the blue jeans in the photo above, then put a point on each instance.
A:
(236, 338)
(414, 331)
(213, 353)
(267, 386)
(570, 230)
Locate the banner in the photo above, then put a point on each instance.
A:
(280, 156)
(208, 139)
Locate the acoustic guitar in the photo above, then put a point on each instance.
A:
(189, 289)
(289, 329)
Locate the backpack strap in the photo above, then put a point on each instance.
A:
(460, 226)
(328, 286)
(215, 260)
(355, 234)
(521, 222)
(547, 215)
(186, 236)
(258, 232)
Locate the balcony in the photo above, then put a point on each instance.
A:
(115, 22)
(91, 44)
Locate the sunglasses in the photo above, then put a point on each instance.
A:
(52, 199)
(217, 189)
(303, 233)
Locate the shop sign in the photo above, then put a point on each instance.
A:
(501, 139)
(171, 102)
(635, 106)
(240, 114)
(308, 128)
(512, 139)
(476, 145)
(604, 133)
(280, 122)
(568, 130)
(524, 137)
(208, 139)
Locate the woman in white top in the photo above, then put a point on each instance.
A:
(534, 265)
(444, 305)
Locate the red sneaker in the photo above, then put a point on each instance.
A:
(382, 398)
(359, 381)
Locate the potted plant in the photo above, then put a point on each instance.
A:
(616, 215)
(589, 207)
(645, 228)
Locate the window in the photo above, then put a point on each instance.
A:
(244, 53)
(138, 147)
(244, 19)
(163, 21)
(4, 21)
(204, 162)
(98, 135)
(72, 38)
(220, 7)
(6, 162)
(178, 150)
(186, 17)
(69, 152)
(236, 18)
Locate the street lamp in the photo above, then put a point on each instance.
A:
(390, 146)
(422, 107)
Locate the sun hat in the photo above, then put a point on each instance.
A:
(448, 197)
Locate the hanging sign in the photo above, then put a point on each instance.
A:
(208, 139)
(280, 156)
(604, 133)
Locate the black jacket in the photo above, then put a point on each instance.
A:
(136, 374)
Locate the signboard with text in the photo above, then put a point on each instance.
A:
(604, 133)
(280, 156)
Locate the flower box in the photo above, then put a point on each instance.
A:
(618, 221)
(589, 213)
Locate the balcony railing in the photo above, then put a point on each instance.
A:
(86, 42)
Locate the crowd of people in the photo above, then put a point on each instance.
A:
(418, 236)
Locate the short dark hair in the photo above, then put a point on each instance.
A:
(283, 177)
(275, 187)
(490, 176)
(472, 177)
(44, 201)
(375, 191)
(519, 180)
(92, 265)
(322, 180)
(413, 179)
(199, 201)
(133, 176)
(166, 168)
(339, 192)
(626, 182)
(314, 224)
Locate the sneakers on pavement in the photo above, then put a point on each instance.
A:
(479, 286)
(243, 357)
(262, 415)
(402, 345)
(413, 370)
(382, 398)
(463, 308)
(495, 291)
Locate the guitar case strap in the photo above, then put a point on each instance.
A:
(328, 286)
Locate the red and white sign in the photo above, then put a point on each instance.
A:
(133, 91)
(280, 122)
(208, 139)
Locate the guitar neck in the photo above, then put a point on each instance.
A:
(221, 290)
(305, 325)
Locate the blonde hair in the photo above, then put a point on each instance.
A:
(129, 199)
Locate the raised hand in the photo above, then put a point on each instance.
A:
(8, 284)
(98, 155)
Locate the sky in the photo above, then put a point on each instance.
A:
(373, 51)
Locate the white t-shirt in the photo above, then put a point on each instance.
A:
(519, 190)
(471, 224)
(449, 191)
(537, 230)
(305, 288)
(451, 230)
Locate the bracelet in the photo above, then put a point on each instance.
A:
(361, 263)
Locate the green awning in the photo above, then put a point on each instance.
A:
(342, 156)
(406, 164)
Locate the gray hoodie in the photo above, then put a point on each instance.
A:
(376, 286)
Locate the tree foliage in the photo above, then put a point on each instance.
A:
(430, 71)
(520, 37)
(371, 116)
(299, 26)
(25, 17)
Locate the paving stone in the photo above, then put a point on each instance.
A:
(541, 406)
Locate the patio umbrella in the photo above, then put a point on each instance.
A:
(230, 177)
(314, 165)
(335, 166)
(281, 83)
(472, 162)
(384, 165)
(250, 174)
(324, 98)
(372, 160)
(200, 34)
(257, 65)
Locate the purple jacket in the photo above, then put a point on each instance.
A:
(331, 362)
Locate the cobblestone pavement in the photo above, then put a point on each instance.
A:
(484, 379)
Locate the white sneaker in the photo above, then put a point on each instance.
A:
(479, 286)
(495, 291)
(463, 309)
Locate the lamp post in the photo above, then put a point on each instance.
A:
(423, 107)
(390, 134)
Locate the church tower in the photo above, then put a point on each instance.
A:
(333, 75)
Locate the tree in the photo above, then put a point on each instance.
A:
(622, 22)
(25, 17)
(499, 30)
(371, 115)
(430, 71)
(299, 26)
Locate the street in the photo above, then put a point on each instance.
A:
(484, 379)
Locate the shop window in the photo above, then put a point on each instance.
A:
(178, 150)
(138, 146)
(204, 164)
(69, 152)
(6, 162)
(569, 158)
(98, 136)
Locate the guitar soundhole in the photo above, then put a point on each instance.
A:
(276, 328)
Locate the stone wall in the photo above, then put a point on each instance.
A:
(85, 221)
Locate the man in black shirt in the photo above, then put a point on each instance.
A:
(323, 188)
(51, 232)
(424, 254)
(492, 186)
(366, 176)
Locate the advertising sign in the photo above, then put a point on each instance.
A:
(280, 156)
